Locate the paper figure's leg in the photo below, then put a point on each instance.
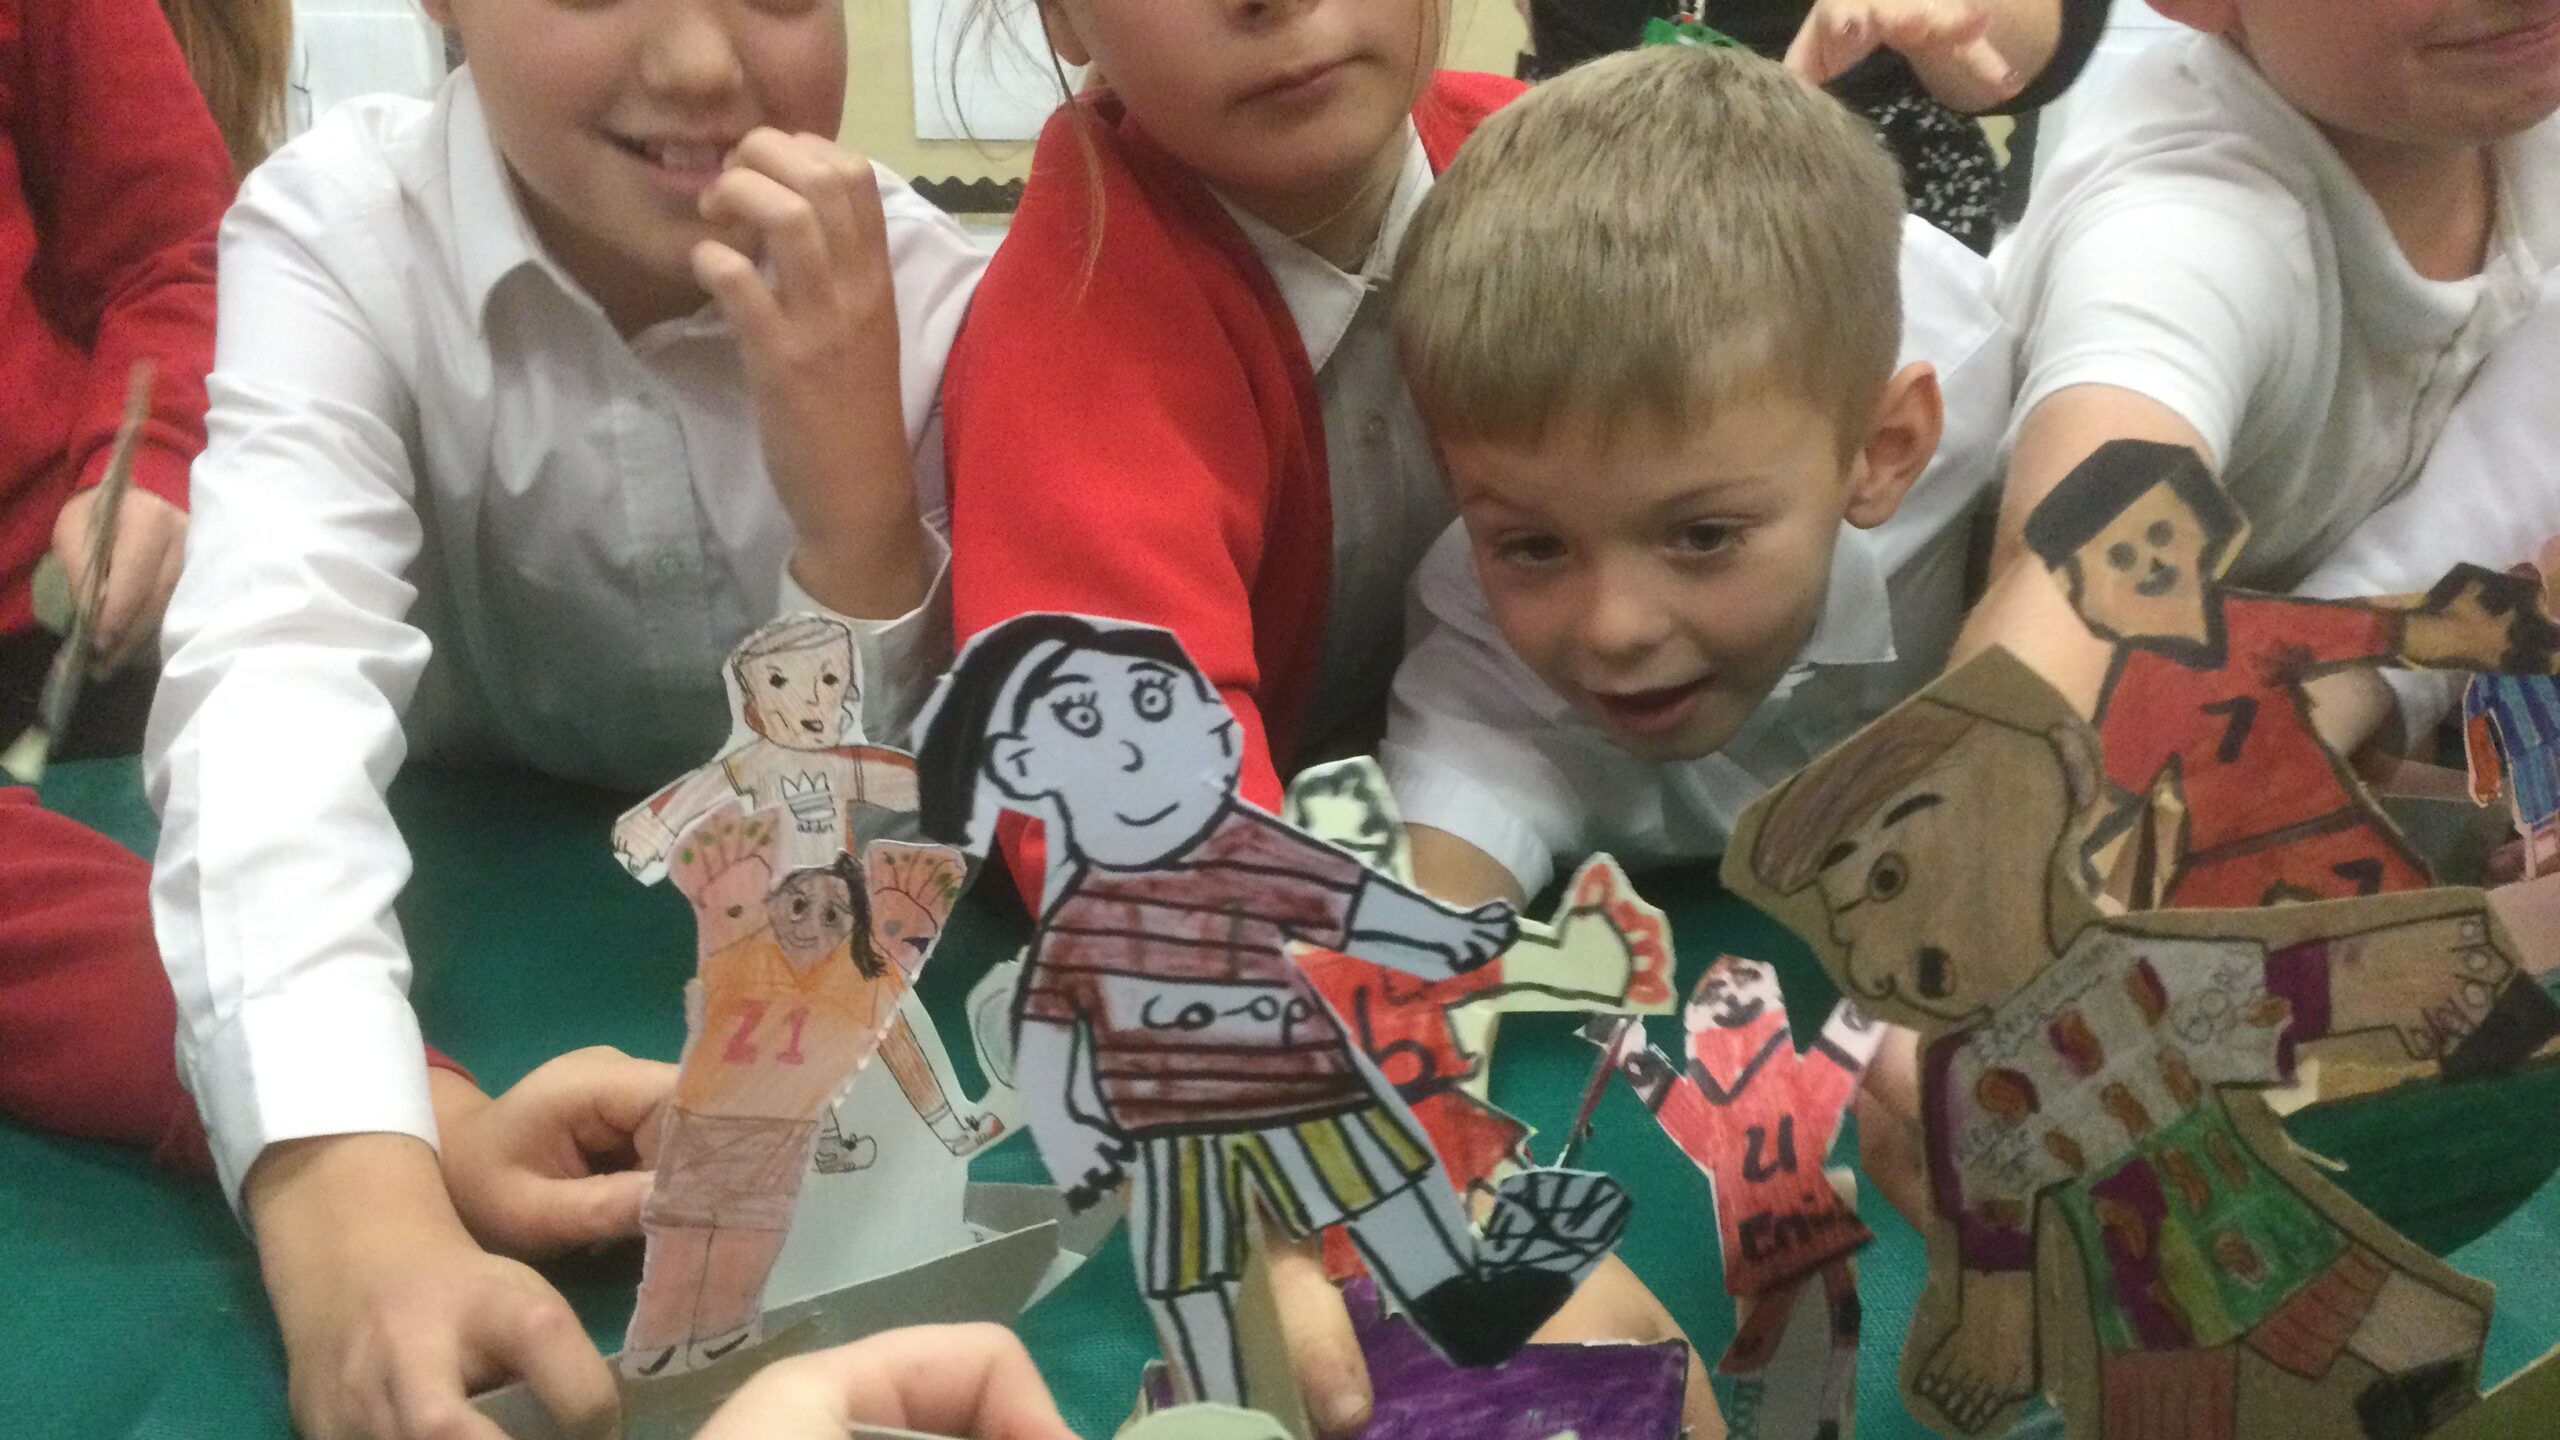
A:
(1840, 1374)
(905, 1057)
(2427, 1345)
(1188, 1232)
(729, 1312)
(670, 1287)
(839, 1153)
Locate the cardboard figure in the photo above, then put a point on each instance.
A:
(796, 686)
(2119, 1221)
(1606, 950)
(797, 983)
(1758, 1117)
(2205, 698)
(1164, 1034)
(2511, 741)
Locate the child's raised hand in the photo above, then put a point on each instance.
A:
(554, 1162)
(1947, 42)
(142, 569)
(803, 276)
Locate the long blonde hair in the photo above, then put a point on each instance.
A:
(238, 52)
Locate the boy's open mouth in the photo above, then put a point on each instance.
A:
(680, 157)
(1650, 712)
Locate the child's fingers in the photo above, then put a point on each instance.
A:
(749, 304)
(785, 225)
(1324, 1352)
(838, 184)
(1956, 33)
(532, 1332)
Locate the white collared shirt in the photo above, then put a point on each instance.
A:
(1389, 501)
(1479, 747)
(445, 511)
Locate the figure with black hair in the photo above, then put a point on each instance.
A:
(1165, 1035)
(2204, 697)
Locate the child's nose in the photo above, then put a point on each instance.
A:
(690, 52)
(1619, 619)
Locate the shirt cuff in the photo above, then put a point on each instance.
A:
(2425, 698)
(901, 658)
(1446, 799)
(294, 1065)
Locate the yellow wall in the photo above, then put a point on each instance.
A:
(879, 101)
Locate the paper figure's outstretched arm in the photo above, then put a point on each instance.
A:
(1604, 949)
(1395, 925)
(2479, 619)
(644, 834)
(1086, 1158)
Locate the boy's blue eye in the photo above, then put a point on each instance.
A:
(1529, 549)
(1705, 537)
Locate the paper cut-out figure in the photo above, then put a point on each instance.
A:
(2091, 1089)
(1165, 1035)
(1758, 1117)
(796, 685)
(1607, 950)
(2205, 697)
(2511, 739)
(796, 985)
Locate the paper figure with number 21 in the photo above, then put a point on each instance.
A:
(1758, 1118)
(1606, 950)
(2092, 1088)
(1164, 1033)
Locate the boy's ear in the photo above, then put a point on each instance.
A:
(2213, 17)
(1061, 28)
(1014, 764)
(1910, 416)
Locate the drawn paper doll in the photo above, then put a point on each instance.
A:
(2205, 696)
(1758, 1117)
(1433, 1039)
(1166, 1037)
(2511, 739)
(2103, 1076)
(790, 997)
(797, 687)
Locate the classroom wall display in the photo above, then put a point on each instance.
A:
(1165, 1036)
(982, 69)
(2119, 1223)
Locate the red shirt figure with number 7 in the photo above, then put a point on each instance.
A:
(2206, 692)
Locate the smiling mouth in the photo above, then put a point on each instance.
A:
(2161, 580)
(2515, 37)
(1145, 820)
(680, 157)
(1304, 82)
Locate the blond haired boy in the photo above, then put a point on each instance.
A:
(1687, 366)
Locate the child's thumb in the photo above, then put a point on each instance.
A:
(594, 1208)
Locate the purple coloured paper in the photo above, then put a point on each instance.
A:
(1597, 1392)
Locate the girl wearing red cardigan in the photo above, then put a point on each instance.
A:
(1175, 402)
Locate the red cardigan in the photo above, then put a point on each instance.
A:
(112, 182)
(1142, 440)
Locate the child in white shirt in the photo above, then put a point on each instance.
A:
(2288, 240)
(1689, 413)
(486, 480)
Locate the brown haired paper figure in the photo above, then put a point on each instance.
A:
(2119, 1221)
(2203, 711)
(1605, 950)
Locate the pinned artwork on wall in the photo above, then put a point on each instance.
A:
(2119, 1221)
(1164, 1034)
(1758, 1117)
(1605, 950)
(2229, 794)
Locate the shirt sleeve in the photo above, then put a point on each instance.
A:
(1461, 751)
(127, 179)
(2191, 300)
(290, 659)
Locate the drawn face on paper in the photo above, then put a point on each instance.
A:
(1134, 756)
(2142, 577)
(1937, 897)
(812, 914)
(797, 697)
(1732, 994)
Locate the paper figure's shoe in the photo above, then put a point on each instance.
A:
(2520, 1021)
(2411, 1405)
(1483, 1320)
(721, 1347)
(1555, 1220)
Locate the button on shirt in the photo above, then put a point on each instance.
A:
(1389, 501)
(446, 511)
(1479, 747)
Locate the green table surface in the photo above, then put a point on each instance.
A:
(130, 1300)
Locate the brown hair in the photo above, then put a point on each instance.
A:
(238, 52)
(1650, 233)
